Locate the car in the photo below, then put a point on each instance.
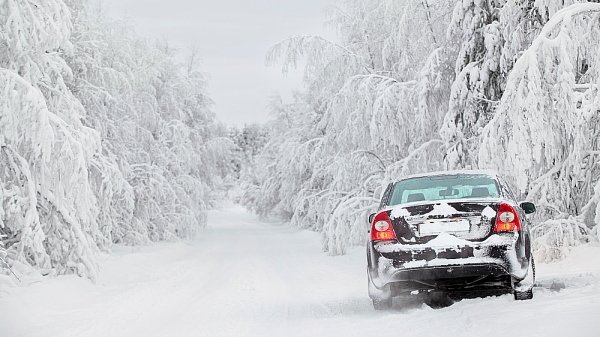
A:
(457, 233)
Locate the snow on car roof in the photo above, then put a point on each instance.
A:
(490, 173)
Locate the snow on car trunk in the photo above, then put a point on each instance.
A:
(469, 220)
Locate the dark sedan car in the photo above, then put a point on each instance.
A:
(449, 233)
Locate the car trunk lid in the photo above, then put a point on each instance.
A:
(470, 220)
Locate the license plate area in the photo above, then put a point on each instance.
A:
(447, 226)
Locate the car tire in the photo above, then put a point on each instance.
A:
(382, 304)
(527, 294)
(438, 300)
(523, 295)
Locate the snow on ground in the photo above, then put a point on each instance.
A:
(244, 277)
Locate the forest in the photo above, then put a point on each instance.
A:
(108, 139)
(104, 138)
(416, 86)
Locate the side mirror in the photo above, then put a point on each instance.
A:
(528, 207)
(371, 217)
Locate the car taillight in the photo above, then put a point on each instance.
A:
(507, 219)
(382, 229)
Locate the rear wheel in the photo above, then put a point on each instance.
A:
(523, 295)
(438, 299)
(382, 304)
(524, 289)
(382, 297)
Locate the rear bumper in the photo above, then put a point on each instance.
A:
(415, 267)
(443, 275)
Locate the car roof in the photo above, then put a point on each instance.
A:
(490, 173)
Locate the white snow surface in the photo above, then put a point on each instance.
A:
(488, 212)
(440, 208)
(244, 277)
(447, 240)
(443, 209)
(398, 212)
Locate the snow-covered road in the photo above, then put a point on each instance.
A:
(247, 278)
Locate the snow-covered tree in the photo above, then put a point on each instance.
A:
(249, 141)
(544, 133)
(372, 98)
(103, 138)
(46, 150)
(394, 95)
(478, 84)
(154, 117)
(491, 35)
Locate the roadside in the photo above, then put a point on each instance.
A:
(244, 277)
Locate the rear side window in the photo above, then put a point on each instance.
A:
(442, 187)
(386, 196)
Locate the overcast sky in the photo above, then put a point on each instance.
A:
(232, 37)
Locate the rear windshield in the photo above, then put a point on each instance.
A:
(442, 187)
